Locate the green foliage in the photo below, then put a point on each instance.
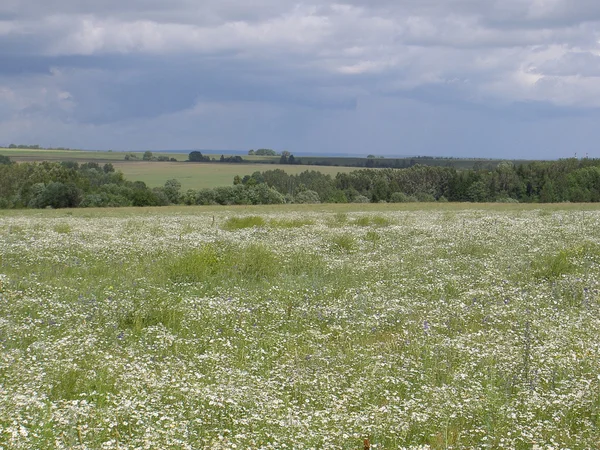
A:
(238, 223)
(172, 190)
(197, 156)
(56, 195)
(307, 196)
(265, 152)
(69, 184)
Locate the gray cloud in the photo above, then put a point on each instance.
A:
(126, 64)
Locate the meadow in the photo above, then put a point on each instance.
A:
(194, 176)
(415, 326)
(197, 176)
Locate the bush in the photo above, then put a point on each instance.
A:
(401, 197)
(206, 197)
(56, 195)
(307, 196)
(425, 197)
(264, 195)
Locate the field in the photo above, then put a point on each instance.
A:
(102, 156)
(416, 326)
(208, 175)
(191, 175)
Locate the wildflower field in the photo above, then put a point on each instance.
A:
(443, 327)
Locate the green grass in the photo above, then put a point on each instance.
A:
(209, 175)
(300, 326)
(343, 242)
(237, 223)
(290, 223)
(191, 175)
(376, 220)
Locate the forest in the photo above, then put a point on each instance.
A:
(70, 184)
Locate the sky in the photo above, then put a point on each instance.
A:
(467, 78)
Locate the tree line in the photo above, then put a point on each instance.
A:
(69, 184)
(567, 180)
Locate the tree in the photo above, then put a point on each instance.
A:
(250, 152)
(307, 196)
(265, 152)
(197, 156)
(57, 195)
(147, 156)
(172, 190)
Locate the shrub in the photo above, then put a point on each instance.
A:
(425, 197)
(56, 195)
(307, 196)
(360, 199)
(206, 197)
(401, 197)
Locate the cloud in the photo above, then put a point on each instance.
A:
(114, 63)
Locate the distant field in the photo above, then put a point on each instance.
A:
(154, 174)
(103, 155)
(198, 175)
(342, 161)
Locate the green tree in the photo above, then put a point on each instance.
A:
(172, 190)
(147, 156)
(197, 156)
(265, 152)
(57, 195)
